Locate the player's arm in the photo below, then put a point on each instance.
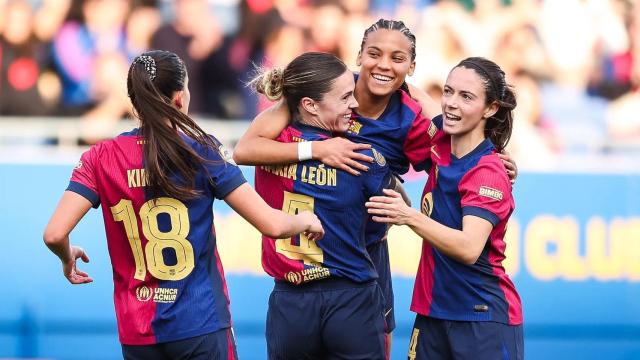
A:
(463, 245)
(258, 145)
(269, 221)
(71, 208)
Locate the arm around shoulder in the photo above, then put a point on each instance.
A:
(258, 145)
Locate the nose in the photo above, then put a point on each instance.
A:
(354, 103)
(384, 62)
(449, 102)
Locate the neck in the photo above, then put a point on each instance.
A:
(311, 120)
(370, 105)
(463, 144)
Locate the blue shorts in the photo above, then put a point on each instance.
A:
(219, 345)
(436, 339)
(379, 254)
(327, 319)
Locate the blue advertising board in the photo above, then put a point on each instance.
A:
(573, 249)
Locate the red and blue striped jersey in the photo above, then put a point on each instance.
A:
(475, 184)
(168, 280)
(337, 198)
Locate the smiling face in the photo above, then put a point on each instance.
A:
(385, 61)
(335, 108)
(463, 103)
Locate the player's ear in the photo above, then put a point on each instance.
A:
(178, 99)
(309, 105)
(359, 59)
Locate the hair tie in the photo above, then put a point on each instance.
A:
(149, 65)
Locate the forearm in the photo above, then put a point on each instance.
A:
(287, 225)
(59, 246)
(264, 151)
(453, 243)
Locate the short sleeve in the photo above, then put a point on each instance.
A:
(418, 142)
(223, 171)
(485, 191)
(83, 178)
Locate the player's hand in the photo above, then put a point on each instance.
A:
(341, 153)
(390, 209)
(510, 164)
(70, 270)
(315, 231)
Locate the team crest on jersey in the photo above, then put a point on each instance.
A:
(379, 157)
(78, 165)
(226, 155)
(491, 193)
(355, 126)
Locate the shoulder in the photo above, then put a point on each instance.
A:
(408, 103)
(489, 170)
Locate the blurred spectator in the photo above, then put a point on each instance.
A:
(193, 35)
(27, 86)
(144, 20)
(533, 143)
(576, 62)
(94, 30)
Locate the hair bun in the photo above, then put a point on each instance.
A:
(271, 84)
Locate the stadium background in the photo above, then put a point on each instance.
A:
(573, 244)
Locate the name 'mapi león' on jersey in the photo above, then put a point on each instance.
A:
(337, 198)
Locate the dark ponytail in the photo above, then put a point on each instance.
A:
(500, 126)
(153, 79)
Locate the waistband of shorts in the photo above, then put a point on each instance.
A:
(331, 283)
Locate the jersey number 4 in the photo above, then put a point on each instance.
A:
(308, 251)
(158, 240)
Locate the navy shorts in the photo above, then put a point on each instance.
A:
(379, 254)
(436, 339)
(327, 319)
(219, 345)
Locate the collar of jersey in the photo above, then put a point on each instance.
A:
(483, 147)
(304, 128)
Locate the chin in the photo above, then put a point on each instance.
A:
(381, 90)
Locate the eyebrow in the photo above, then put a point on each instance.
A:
(461, 91)
(372, 47)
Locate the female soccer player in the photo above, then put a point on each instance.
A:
(326, 303)
(156, 185)
(466, 305)
(386, 117)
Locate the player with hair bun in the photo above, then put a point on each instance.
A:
(326, 303)
(157, 185)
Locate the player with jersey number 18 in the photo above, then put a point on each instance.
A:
(156, 185)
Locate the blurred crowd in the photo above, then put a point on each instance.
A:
(575, 64)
